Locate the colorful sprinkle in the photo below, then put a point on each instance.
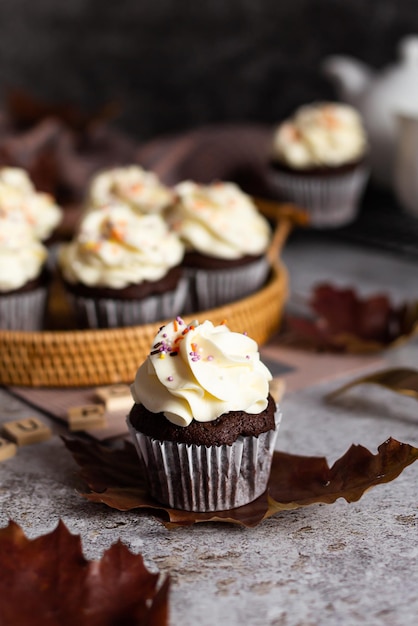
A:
(210, 357)
(173, 353)
(170, 378)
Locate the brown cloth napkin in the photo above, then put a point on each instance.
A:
(234, 152)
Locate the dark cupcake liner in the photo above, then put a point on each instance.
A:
(201, 478)
(213, 288)
(331, 201)
(114, 313)
(23, 310)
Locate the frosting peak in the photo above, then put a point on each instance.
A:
(22, 256)
(18, 196)
(200, 371)
(115, 247)
(219, 220)
(320, 134)
(141, 190)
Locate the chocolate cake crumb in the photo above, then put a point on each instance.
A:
(224, 430)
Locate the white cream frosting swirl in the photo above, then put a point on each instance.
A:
(200, 371)
(320, 134)
(219, 220)
(138, 188)
(19, 196)
(22, 256)
(115, 248)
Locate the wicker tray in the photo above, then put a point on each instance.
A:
(76, 358)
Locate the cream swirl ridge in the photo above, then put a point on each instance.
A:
(138, 188)
(219, 220)
(18, 196)
(320, 134)
(115, 247)
(201, 371)
(22, 256)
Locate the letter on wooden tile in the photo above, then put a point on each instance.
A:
(115, 397)
(86, 416)
(7, 449)
(27, 431)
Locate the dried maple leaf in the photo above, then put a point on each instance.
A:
(47, 581)
(401, 380)
(113, 477)
(342, 321)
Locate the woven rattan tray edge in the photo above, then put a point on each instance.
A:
(79, 358)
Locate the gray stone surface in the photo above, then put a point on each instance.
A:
(321, 565)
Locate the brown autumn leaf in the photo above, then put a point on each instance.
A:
(403, 380)
(341, 321)
(113, 477)
(47, 581)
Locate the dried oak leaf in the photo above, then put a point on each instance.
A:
(113, 477)
(401, 380)
(47, 581)
(341, 321)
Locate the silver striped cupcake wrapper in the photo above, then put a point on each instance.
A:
(199, 478)
(331, 201)
(111, 313)
(214, 288)
(23, 311)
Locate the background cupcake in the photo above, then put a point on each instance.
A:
(122, 269)
(18, 196)
(23, 279)
(318, 162)
(141, 190)
(203, 423)
(226, 240)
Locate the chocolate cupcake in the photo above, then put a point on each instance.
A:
(23, 278)
(123, 269)
(319, 162)
(226, 240)
(203, 423)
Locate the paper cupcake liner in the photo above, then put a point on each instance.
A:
(200, 478)
(112, 313)
(331, 201)
(213, 288)
(23, 311)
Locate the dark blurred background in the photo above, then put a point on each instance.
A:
(171, 65)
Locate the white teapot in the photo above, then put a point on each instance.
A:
(379, 97)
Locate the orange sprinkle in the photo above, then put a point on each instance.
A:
(194, 347)
(176, 326)
(223, 322)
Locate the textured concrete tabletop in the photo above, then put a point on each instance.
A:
(320, 565)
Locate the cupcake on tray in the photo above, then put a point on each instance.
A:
(141, 190)
(18, 196)
(318, 161)
(123, 269)
(23, 277)
(204, 423)
(226, 240)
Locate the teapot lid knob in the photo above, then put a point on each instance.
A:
(408, 49)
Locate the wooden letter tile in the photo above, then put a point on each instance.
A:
(115, 397)
(86, 416)
(27, 431)
(7, 449)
